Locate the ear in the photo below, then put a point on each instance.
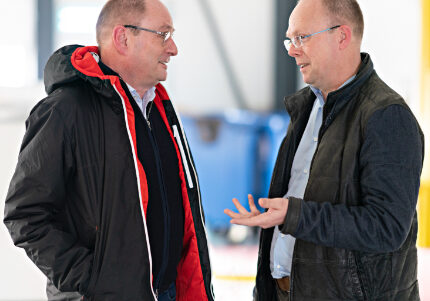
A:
(120, 39)
(345, 36)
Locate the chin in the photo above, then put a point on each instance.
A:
(162, 77)
(306, 80)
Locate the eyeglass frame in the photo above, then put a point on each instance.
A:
(291, 42)
(166, 35)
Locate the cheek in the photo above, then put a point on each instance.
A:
(320, 59)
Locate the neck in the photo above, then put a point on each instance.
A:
(346, 70)
(141, 92)
(120, 67)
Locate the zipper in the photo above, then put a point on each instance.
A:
(124, 109)
(165, 205)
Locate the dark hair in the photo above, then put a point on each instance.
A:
(346, 10)
(118, 12)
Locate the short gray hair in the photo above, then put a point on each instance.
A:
(345, 10)
(118, 12)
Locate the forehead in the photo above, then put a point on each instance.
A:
(308, 16)
(157, 15)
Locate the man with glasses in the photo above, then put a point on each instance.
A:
(105, 199)
(341, 222)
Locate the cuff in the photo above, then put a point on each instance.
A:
(292, 218)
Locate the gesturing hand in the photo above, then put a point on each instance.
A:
(275, 215)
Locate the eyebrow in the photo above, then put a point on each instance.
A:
(167, 27)
(296, 34)
(293, 35)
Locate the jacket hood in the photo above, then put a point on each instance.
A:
(72, 63)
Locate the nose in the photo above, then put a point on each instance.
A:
(294, 52)
(172, 49)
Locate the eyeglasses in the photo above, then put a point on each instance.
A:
(163, 34)
(297, 41)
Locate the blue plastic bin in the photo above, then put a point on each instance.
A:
(234, 153)
(273, 128)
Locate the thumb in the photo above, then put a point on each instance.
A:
(276, 203)
(264, 203)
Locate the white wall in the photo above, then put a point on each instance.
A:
(392, 36)
(197, 80)
(18, 44)
(19, 278)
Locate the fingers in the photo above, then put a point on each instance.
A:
(242, 211)
(249, 221)
(252, 206)
(232, 214)
(264, 220)
(239, 207)
(243, 217)
(256, 220)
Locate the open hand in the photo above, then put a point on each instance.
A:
(275, 215)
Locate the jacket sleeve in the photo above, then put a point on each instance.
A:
(37, 196)
(391, 159)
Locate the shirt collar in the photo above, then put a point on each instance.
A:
(147, 97)
(318, 92)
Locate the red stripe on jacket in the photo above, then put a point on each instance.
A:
(84, 62)
(189, 282)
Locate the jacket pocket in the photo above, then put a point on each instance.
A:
(376, 274)
(95, 268)
(356, 282)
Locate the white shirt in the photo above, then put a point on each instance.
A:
(145, 100)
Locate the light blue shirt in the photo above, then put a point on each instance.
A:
(142, 102)
(282, 248)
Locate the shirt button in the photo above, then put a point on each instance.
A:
(278, 266)
(305, 170)
(282, 235)
(315, 139)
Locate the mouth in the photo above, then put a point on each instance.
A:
(164, 63)
(302, 66)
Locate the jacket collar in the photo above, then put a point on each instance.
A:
(300, 102)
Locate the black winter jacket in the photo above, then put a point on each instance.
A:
(78, 199)
(356, 226)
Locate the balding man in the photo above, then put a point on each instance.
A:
(341, 222)
(105, 198)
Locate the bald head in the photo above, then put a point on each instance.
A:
(344, 12)
(116, 12)
(329, 49)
